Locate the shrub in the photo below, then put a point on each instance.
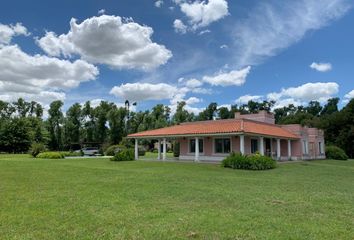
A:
(50, 155)
(124, 155)
(252, 162)
(37, 148)
(112, 150)
(72, 154)
(334, 152)
(154, 151)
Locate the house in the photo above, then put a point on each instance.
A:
(247, 134)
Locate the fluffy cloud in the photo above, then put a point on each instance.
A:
(273, 27)
(246, 98)
(310, 91)
(193, 83)
(38, 77)
(101, 11)
(111, 40)
(158, 3)
(232, 78)
(144, 91)
(348, 96)
(179, 26)
(202, 13)
(321, 67)
(7, 32)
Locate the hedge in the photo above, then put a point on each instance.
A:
(251, 162)
(334, 152)
(50, 155)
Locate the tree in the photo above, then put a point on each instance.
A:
(55, 121)
(209, 113)
(330, 107)
(73, 124)
(224, 113)
(314, 108)
(182, 115)
(116, 117)
(15, 135)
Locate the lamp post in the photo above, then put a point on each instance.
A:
(127, 106)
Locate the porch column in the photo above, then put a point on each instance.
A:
(242, 144)
(278, 148)
(164, 149)
(159, 149)
(261, 145)
(271, 147)
(136, 149)
(196, 158)
(289, 149)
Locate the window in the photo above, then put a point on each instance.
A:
(320, 147)
(192, 145)
(222, 145)
(254, 145)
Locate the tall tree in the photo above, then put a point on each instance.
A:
(73, 124)
(55, 120)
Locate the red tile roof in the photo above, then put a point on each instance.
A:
(228, 126)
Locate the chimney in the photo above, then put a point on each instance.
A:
(237, 115)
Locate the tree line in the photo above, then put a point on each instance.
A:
(22, 123)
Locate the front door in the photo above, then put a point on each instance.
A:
(312, 150)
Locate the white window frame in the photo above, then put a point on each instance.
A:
(222, 154)
(189, 145)
(305, 147)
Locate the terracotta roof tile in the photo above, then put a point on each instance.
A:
(219, 127)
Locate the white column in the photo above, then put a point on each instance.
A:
(278, 148)
(196, 158)
(242, 144)
(261, 145)
(164, 149)
(159, 149)
(289, 149)
(136, 149)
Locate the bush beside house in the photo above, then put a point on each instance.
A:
(334, 152)
(251, 162)
(124, 155)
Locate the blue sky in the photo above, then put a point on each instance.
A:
(173, 50)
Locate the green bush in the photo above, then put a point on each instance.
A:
(72, 154)
(112, 150)
(37, 148)
(252, 162)
(50, 155)
(176, 148)
(154, 151)
(124, 155)
(334, 152)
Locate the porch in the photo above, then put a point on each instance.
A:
(214, 148)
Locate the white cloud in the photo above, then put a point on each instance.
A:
(111, 40)
(193, 83)
(101, 11)
(179, 26)
(235, 78)
(7, 32)
(246, 98)
(158, 3)
(204, 32)
(203, 13)
(348, 96)
(321, 67)
(307, 92)
(271, 28)
(144, 91)
(193, 100)
(224, 46)
(38, 77)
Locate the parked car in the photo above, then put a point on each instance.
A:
(91, 151)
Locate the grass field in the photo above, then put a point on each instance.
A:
(100, 199)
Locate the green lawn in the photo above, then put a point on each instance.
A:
(100, 199)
